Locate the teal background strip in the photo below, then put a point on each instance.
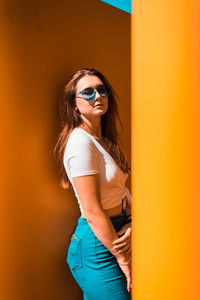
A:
(125, 5)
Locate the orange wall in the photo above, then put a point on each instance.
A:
(166, 110)
(42, 43)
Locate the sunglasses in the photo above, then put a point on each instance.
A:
(90, 92)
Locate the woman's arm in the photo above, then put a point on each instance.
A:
(88, 189)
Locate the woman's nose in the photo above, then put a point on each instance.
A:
(97, 95)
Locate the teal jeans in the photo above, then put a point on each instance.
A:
(93, 266)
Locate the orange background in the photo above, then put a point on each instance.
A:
(165, 149)
(42, 43)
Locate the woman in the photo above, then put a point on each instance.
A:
(91, 162)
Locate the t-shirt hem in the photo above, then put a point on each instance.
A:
(84, 173)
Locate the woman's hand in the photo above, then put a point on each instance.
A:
(127, 270)
(123, 245)
(124, 242)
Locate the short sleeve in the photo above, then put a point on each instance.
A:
(81, 155)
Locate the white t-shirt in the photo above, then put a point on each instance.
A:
(84, 155)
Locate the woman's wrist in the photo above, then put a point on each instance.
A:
(122, 257)
(124, 262)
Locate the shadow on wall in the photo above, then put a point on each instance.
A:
(43, 43)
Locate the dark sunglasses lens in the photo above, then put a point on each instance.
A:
(88, 93)
(103, 91)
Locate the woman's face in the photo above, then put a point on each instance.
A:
(90, 108)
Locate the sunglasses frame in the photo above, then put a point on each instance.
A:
(94, 93)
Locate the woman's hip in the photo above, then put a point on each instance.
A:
(88, 249)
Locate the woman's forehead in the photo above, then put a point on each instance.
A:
(88, 81)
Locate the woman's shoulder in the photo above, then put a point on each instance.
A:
(79, 146)
(78, 134)
(78, 140)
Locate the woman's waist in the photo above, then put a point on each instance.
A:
(111, 212)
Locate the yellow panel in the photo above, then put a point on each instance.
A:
(165, 142)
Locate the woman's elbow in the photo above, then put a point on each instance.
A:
(92, 214)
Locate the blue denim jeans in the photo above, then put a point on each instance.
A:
(93, 266)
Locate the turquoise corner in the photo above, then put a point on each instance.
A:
(125, 5)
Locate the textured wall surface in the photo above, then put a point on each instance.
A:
(42, 43)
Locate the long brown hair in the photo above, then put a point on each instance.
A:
(71, 118)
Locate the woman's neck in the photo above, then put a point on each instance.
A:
(93, 129)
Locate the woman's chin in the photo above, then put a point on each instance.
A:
(100, 109)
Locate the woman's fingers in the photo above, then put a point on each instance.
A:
(125, 234)
(124, 229)
(126, 248)
(121, 243)
(128, 251)
(129, 285)
(127, 271)
(123, 238)
(123, 246)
